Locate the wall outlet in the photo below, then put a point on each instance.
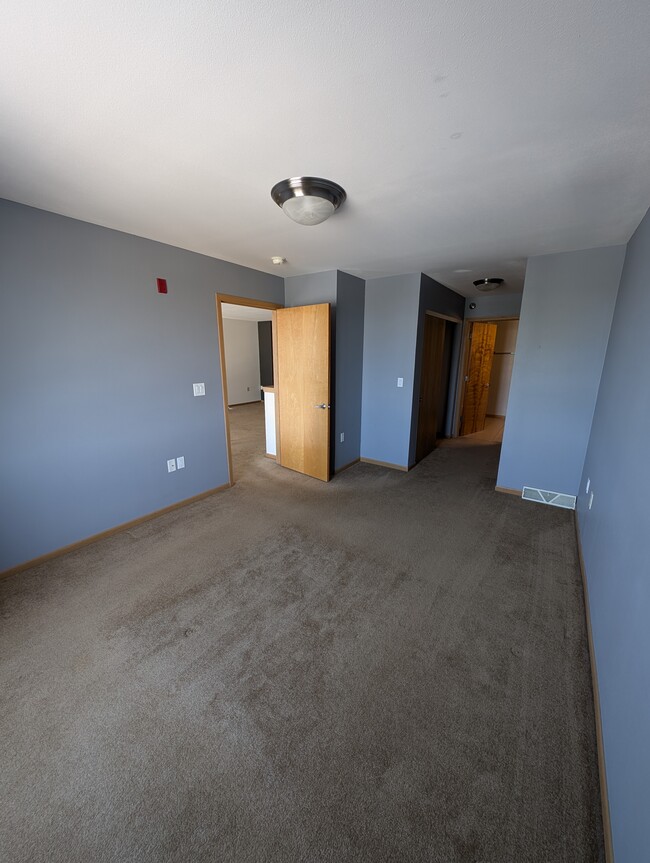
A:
(342, 436)
(180, 462)
(199, 389)
(400, 382)
(591, 499)
(171, 465)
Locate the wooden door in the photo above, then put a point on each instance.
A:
(431, 385)
(302, 388)
(477, 381)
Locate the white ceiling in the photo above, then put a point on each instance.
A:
(245, 313)
(467, 134)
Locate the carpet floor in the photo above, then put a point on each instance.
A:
(388, 667)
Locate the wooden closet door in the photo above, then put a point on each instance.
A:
(482, 338)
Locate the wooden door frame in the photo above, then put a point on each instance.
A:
(454, 319)
(464, 361)
(234, 301)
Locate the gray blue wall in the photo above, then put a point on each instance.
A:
(437, 298)
(566, 314)
(96, 373)
(390, 332)
(310, 289)
(350, 302)
(493, 306)
(615, 547)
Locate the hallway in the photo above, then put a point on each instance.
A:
(491, 434)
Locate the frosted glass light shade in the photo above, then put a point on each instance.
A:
(308, 209)
(308, 200)
(489, 284)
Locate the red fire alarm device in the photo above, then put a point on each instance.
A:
(162, 286)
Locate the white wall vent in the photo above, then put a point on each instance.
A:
(552, 498)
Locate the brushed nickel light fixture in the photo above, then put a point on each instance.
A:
(308, 200)
(487, 284)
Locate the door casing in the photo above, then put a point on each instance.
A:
(235, 301)
(464, 360)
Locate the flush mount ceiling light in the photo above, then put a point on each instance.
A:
(487, 284)
(276, 259)
(308, 200)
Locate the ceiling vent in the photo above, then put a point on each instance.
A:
(551, 498)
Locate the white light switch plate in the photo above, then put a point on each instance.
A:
(171, 465)
(199, 389)
(400, 382)
(180, 462)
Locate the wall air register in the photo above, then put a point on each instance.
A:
(552, 498)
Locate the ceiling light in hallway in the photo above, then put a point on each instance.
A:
(487, 284)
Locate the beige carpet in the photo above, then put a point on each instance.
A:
(390, 667)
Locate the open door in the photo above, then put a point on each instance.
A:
(302, 388)
(477, 380)
(431, 385)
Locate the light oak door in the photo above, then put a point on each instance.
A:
(302, 388)
(477, 380)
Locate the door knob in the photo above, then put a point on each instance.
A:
(323, 407)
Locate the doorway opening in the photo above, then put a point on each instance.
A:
(440, 350)
(484, 386)
(247, 380)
